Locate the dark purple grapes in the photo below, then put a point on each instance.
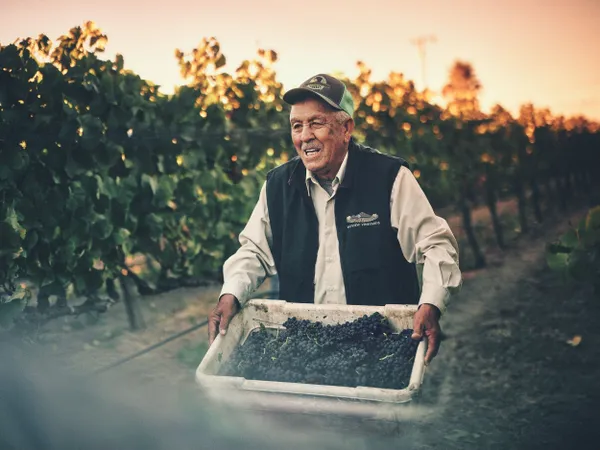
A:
(365, 352)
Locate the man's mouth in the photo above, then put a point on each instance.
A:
(311, 151)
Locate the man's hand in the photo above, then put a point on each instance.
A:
(426, 322)
(219, 318)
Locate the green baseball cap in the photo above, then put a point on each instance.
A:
(325, 87)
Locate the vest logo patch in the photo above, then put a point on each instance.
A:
(362, 220)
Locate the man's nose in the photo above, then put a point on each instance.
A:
(307, 134)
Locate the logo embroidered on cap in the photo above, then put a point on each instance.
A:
(317, 83)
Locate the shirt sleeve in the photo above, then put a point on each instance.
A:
(426, 240)
(247, 268)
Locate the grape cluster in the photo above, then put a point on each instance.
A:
(365, 352)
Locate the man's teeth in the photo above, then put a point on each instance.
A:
(311, 150)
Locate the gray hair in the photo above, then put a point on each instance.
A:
(341, 117)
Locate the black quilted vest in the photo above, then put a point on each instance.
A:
(374, 268)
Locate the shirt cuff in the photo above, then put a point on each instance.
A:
(238, 290)
(435, 295)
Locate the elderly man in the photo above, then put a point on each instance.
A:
(342, 223)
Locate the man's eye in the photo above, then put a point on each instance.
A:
(317, 124)
(296, 127)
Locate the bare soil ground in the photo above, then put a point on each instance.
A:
(506, 376)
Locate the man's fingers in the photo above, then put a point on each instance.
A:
(213, 325)
(417, 329)
(219, 318)
(433, 345)
(228, 307)
(225, 318)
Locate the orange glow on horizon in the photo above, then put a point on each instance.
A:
(512, 45)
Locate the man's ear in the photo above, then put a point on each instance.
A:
(348, 129)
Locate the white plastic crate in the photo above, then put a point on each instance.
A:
(299, 397)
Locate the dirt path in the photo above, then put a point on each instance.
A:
(90, 344)
(505, 377)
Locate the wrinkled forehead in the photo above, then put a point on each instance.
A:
(309, 108)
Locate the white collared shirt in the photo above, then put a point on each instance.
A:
(329, 280)
(425, 239)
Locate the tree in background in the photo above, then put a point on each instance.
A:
(461, 93)
(508, 147)
(530, 122)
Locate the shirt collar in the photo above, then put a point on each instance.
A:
(336, 181)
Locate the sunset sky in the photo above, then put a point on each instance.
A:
(541, 51)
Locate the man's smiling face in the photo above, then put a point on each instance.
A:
(319, 138)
